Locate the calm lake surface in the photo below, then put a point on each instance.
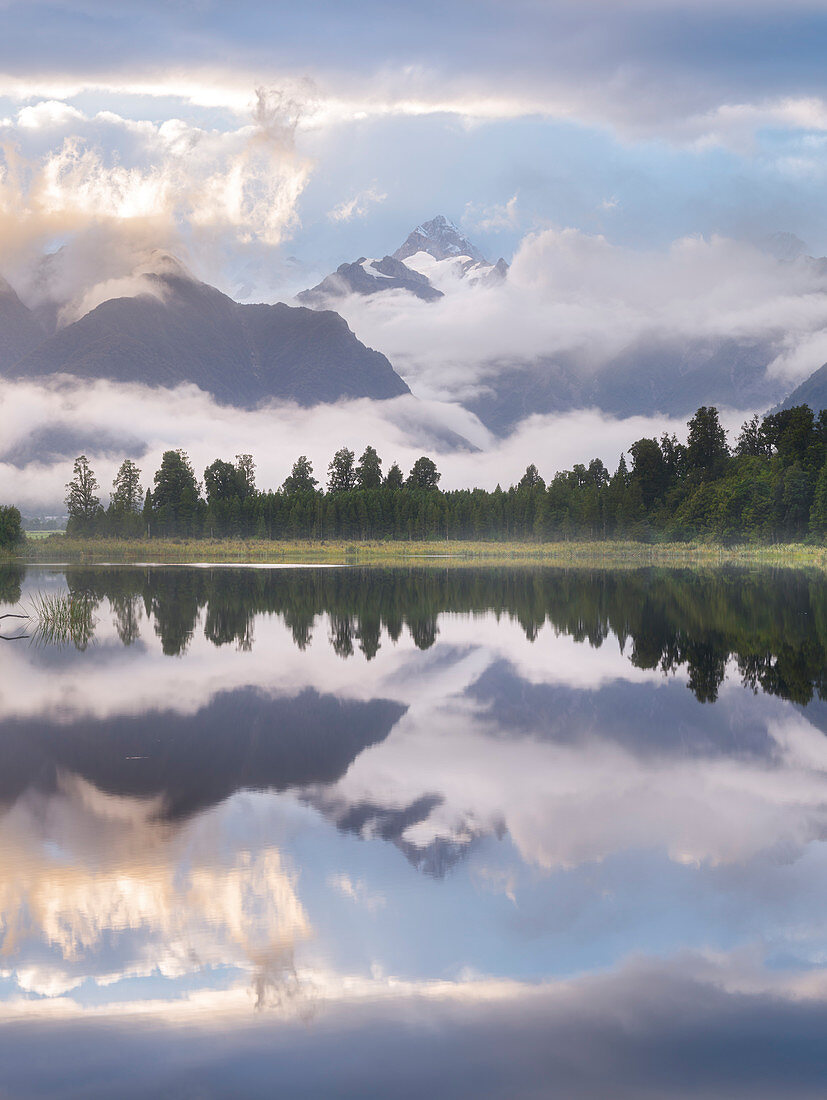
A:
(342, 832)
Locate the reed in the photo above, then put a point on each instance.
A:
(62, 619)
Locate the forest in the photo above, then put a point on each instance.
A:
(770, 486)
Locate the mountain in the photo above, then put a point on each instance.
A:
(671, 377)
(177, 329)
(433, 253)
(367, 277)
(812, 392)
(441, 239)
(19, 329)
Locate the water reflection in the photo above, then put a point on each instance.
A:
(773, 624)
(499, 799)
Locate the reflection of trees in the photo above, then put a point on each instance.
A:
(773, 623)
(228, 621)
(11, 578)
(341, 635)
(127, 611)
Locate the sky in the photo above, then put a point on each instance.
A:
(630, 158)
(322, 131)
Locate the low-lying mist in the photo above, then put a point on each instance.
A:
(44, 426)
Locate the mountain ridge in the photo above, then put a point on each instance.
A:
(182, 330)
(438, 239)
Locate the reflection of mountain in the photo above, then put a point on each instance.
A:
(773, 624)
(676, 724)
(240, 739)
(435, 857)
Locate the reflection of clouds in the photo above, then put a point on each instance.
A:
(566, 803)
(91, 887)
(357, 891)
(572, 788)
(692, 1026)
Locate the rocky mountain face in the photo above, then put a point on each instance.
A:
(181, 330)
(369, 277)
(433, 253)
(441, 239)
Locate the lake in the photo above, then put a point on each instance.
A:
(438, 831)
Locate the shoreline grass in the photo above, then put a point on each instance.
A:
(59, 549)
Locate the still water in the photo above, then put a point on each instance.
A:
(441, 832)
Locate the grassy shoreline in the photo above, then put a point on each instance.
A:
(58, 549)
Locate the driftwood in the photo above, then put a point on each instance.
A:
(12, 637)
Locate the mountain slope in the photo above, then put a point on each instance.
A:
(19, 329)
(435, 252)
(369, 277)
(812, 391)
(182, 330)
(657, 377)
(441, 239)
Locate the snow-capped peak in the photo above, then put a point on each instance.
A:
(441, 239)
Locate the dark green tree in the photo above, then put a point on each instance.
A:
(300, 478)
(706, 447)
(818, 512)
(369, 470)
(753, 440)
(394, 479)
(222, 483)
(127, 495)
(246, 470)
(649, 470)
(341, 473)
(424, 474)
(175, 499)
(11, 531)
(82, 502)
(531, 479)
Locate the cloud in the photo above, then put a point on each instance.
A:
(151, 421)
(64, 173)
(487, 219)
(693, 1027)
(685, 74)
(357, 892)
(569, 293)
(357, 207)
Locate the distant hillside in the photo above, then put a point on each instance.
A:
(182, 330)
(668, 377)
(812, 392)
(19, 329)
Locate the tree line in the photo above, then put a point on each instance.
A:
(770, 486)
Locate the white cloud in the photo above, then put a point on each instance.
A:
(577, 294)
(401, 429)
(357, 207)
(488, 219)
(107, 169)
